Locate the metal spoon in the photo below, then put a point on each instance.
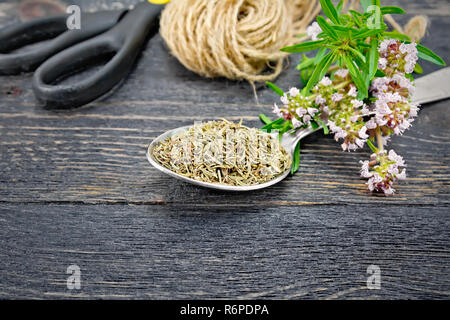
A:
(429, 88)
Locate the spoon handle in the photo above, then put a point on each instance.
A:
(432, 87)
(290, 139)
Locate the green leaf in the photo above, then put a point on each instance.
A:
(356, 76)
(296, 159)
(271, 125)
(365, 33)
(320, 54)
(305, 46)
(305, 63)
(365, 4)
(396, 35)
(326, 27)
(301, 35)
(345, 19)
(371, 146)
(392, 10)
(314, 124)
(264, 118)
(339, 7)
(427, 54)
(305, 74)
(323, 124)
(285, 128)
(373, 59)
(418, 69)
(358, 54)
(342, 32)
(275, 89)
(320, 70)
(330, 11)
(409, 76)
(380, 74)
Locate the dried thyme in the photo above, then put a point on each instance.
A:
(223, 152)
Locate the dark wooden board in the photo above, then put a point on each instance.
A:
(163, 252)
(75, 187)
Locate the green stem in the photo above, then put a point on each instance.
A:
(379, 140)
(337, 87)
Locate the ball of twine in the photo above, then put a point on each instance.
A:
(236, 39)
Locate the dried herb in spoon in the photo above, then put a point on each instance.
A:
(223, 152)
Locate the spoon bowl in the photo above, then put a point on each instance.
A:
(217, 186)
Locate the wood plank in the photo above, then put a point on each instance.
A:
(75, 188)
(169, 252)
(97, 154)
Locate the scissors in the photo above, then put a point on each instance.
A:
(118, 35)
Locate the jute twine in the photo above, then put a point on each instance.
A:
(241, 39)
(236, 39)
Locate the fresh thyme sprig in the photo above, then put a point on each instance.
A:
(358, 86)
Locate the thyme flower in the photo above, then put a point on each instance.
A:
(383, 170)
(358, 87)
(313, 31)
(397, 57)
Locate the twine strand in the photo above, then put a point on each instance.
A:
(235, 39)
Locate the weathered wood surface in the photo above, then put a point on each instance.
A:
(76, 188)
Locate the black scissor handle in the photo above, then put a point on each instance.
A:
(125, 41)
(17, 36)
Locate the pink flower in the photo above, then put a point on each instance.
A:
(396, 158)
(360, 142)
(340, 134)
(336, 97)
(411, 55)
(306, 119)
(362, 133)
(394, 112)
(402, 175)
(365, 169)
(277, 110)
(398, 83)
(384, 46)
(296, 123)
(300, 112)
(319, 100)
(342, 73)
(354, 118)
(353, 92)
(357, 103)
(313, 31)
(365, 110)
(382, 171)
(325, 81)
(382, 63)
(293, 92)
(397, 57)
(351, 147)
(312, 111)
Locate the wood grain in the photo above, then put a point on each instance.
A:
(163, 252)
(75, 187)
